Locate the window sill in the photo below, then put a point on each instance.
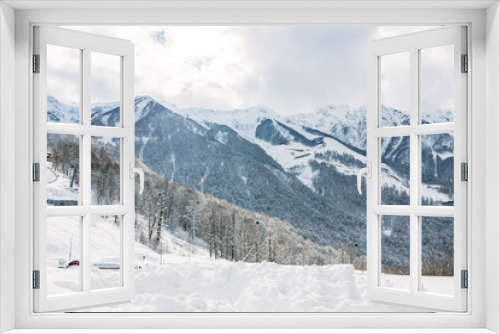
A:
(252, 331)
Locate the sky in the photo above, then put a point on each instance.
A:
(290, 69)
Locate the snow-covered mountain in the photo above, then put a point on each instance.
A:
(349, 124)
(61, 113)
(336, 136)
(343, 122)
(287, 142)
(300, 169)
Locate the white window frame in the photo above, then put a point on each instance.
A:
(483, 233)
(86, 44)
(413, 44)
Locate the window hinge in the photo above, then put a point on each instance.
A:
(465, 64)
(36, 63)
(36, 172)
(465, 279)
(464, 171)
(36, 279)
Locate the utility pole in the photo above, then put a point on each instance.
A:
(160, 219)
(75, 168)
(256, 245)
(70, 249)
(102, 192)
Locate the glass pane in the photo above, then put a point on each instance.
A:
(105, 89)
(395, 256)
(105, 244)
(437, 255)
(395, 89)
(63, 84)
(63, 170)
(437, 169)
(105, 171)
(437, 80)
(63, 255)
(395, 171)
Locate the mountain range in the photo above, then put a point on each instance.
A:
(299, 168)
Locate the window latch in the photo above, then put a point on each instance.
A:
(368, 171)
(134, 170)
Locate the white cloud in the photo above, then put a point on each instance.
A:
(290, 69)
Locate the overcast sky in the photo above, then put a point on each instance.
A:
(290, 69)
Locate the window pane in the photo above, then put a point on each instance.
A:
(105, 171)
(105, 244)
(437, 80)
(105, 89)
(395, 89)
(63, 170)
(437, 255)
(395, 259)
(395, 171)
(437, 169)
(63, 255)
(63, 84)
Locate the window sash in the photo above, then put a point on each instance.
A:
(87, 43)
(413, 43)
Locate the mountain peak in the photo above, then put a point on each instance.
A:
(140, 98)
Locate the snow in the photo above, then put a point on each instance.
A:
(221, 137)
(205, 285)
(58, 186)
(392, 179)
(434, 114)
(344, 122)
(243, 121)
(190, 281)
(246, 121)
(438, 284)
(295, 158)
(397, 282)
(59, 112)
(186, 279)
(347, 123)
(142, 107)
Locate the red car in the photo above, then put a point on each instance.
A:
(73, 263)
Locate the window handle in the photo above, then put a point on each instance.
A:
(368, 171)
(134, 170)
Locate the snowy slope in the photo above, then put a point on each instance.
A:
(261, 158)
(349, 124)
(186, 279)
(222, 286)
(58, 186)
(243, 121)
(296, 147)
(190, 281)
(343, 122)
(59, 112)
